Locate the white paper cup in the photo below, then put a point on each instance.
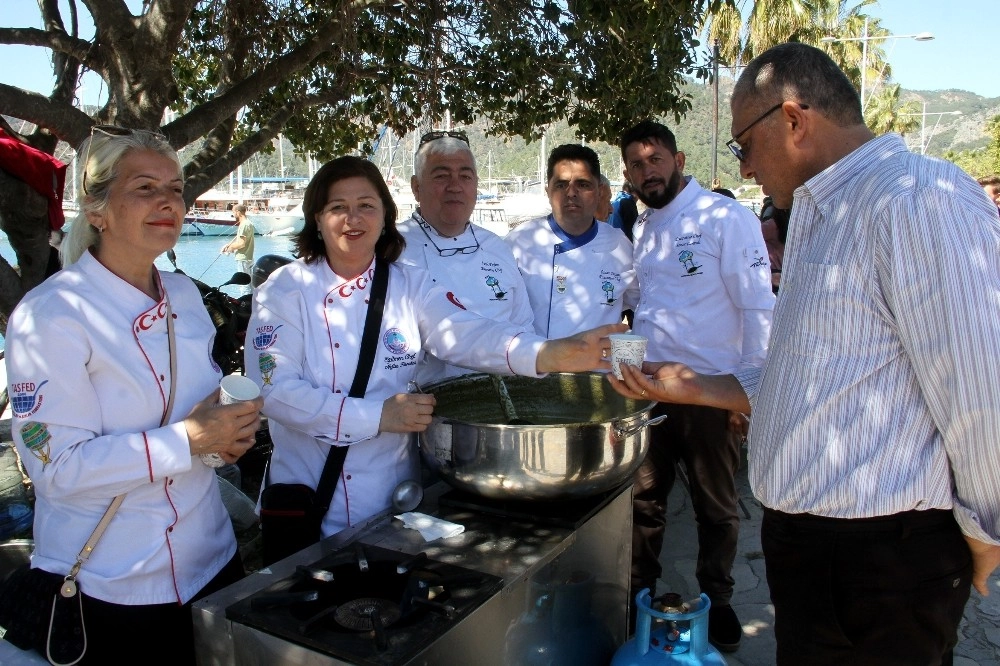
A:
(237, 388)
(234, 388)
(626, 348)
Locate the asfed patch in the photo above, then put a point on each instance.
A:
(26, 398)
(265, 336)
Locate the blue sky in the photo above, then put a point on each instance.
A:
(964, 54)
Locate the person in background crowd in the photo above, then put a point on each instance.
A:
(242, 245)
(307, 324)
(991, 185)
(578, 272)
(604, 207)
(624, 211)
(774, 228)
(91, 371)
(705, 297)
(873, 443)
(470, 262)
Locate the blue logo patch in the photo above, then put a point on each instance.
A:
(265, 336)
(395, 342)
(25, 399)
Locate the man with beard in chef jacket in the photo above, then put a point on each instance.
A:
(471, 263)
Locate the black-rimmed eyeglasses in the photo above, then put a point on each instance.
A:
(441, 134)
(111, 130)
(733, 144)
(452, 251)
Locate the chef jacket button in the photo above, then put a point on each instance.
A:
(173, 315)
(163, 378)
(336, 345)
(348, 477)
(366, 300)
(329, 300)
(170, 529)
(170, 482)
(337, 391)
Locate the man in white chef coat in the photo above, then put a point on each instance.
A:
(473, 264)
(578, 271)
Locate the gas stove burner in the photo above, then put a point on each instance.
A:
(357, 614)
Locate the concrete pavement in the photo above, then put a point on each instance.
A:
(979, 633)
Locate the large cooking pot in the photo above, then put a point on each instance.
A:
(584, 438)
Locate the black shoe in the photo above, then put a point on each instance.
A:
(724, 629)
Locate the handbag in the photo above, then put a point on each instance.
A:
(291, 514)
(43, 611)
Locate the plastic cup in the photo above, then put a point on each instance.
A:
(626, 348)
(233, 389)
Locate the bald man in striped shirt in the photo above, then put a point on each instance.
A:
(875, 430)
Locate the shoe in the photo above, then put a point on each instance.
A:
(724, 628)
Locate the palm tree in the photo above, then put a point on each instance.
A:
(771, 22)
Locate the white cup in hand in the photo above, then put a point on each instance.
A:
(626, 348)
(232, 389)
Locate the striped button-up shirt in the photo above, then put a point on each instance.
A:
(881, 391)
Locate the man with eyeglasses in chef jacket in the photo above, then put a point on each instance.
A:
(471, 263)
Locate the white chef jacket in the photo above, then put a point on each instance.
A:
(89, 369)
(485, 281)
(574, 283)
(303, 343)
(705, 283)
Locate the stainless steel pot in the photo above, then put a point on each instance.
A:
(585, 438)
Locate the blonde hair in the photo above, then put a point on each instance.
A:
(99, 170)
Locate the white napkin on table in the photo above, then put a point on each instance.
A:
(430, 528)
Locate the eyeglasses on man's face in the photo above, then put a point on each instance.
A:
(741, 151)
(111, 130)
(441, 134)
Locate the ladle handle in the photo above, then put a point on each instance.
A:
(625, 432)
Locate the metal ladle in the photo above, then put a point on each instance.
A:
(506, 403)
(407, 496)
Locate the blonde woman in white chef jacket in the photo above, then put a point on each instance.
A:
(88, 362)
(306, 330)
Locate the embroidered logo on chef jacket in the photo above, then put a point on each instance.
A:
(561, 284)
(395, 341)
(757, 260)
(267, 365)
(609, 279)
(454, 300)
(25, 398)
(686, 257)
(494, 284)
(265, 336)
(36, 438)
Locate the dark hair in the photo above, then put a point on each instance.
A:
(577, 153)
(724, 192)
(988, 180)
(645, 132)
(800, 73)
(308, 244)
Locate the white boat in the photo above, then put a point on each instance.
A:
(212, 215)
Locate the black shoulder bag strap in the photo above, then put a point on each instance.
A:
(366, 358)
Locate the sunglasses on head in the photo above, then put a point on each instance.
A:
(441, 134)
(111, 130)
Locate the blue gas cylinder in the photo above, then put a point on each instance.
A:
(680, 636)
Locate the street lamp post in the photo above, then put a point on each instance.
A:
(924, 140)
(864, 39)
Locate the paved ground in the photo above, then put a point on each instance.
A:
(979, 633)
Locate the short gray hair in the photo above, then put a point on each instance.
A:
(800, 73)
(447, 145)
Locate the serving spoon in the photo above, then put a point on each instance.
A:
(506, 403)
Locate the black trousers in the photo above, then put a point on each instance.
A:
(883, 591)
(156, 633)
(700, 437)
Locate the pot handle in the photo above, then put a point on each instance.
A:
(621, 432)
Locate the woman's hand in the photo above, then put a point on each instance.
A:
(584, 351)
(228, 430)
(407, 412)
